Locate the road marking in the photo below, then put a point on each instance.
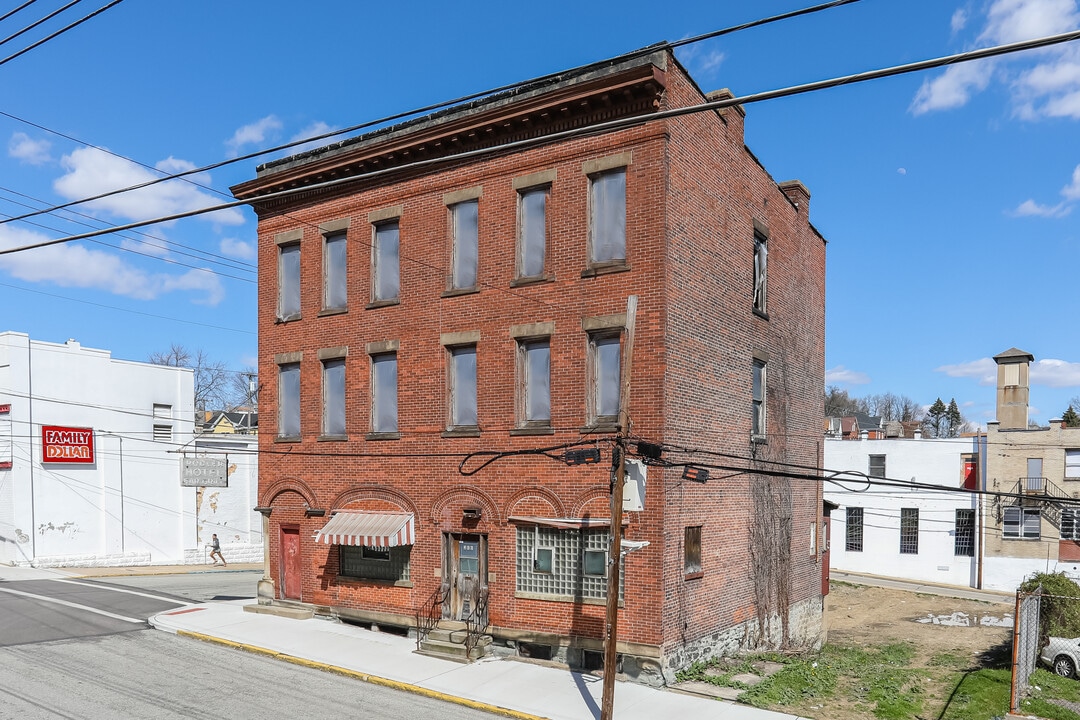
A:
(185, 610)
(65, 603)
(99, 586)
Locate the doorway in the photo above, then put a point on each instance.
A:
(464, 572)
(290, 563)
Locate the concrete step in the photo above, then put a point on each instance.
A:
(286, 611)
(453, 650)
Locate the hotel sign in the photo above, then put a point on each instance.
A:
(67, 444)
(204, 471)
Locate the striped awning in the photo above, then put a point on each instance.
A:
(377, 530)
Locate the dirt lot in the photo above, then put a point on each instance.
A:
(861, 615)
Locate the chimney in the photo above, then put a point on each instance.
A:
(798, 195)
(1013, 387)
(734, 116)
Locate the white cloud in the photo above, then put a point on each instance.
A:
(840, 375)
(27, 150)
(1055, 373)
(959, 20)
(314, 129)
(92, 172)
(1011, 21)
(901, 171)
(700, 60)
(237, 249)
(1030, 208)
(953, 88)
(984, 370)
(1072, 190)
(253, 134)
(73, 265)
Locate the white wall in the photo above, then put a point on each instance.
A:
(926, 461)
(128, 507)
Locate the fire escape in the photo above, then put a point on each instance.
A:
(1040, 492)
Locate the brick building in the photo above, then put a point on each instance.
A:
(458, 283)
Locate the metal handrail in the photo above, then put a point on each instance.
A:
(477, 621)
(430, 613)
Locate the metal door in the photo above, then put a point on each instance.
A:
(290, 563)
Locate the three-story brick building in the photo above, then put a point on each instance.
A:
(458, 284)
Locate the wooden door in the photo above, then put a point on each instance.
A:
(466, 563)
(290, 563)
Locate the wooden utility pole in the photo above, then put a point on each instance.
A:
(611, 626)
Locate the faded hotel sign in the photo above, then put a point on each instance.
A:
(204, 471)
(66, 444)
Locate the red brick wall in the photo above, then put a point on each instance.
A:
(692, 192)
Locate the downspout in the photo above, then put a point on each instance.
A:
(30, 413)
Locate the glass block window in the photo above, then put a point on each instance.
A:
(854, 529)
(1070, 524)
(909, 531)
(390, 564)
(563, 563)
(965, 533)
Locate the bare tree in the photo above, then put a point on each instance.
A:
(245, 388)
(213, 381)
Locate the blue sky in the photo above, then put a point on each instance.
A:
(949, 197)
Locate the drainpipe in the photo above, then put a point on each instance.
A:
(30, 412)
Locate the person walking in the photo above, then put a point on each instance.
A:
(215, 549)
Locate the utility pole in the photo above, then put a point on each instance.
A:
(611, 625)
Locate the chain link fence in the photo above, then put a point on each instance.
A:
(1025, 644)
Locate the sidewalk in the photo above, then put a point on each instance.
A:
(511, 688)
(927, 588)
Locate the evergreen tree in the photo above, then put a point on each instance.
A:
(953, 420)
(935, 421)
(1071, 417)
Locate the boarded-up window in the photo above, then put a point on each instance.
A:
(692, 551)
(334, 397)
(466, 222)
(463, 410)
(604, 351)
(289, 281)
(536, 380)
(334, 272)
(384, 400)
(387, 271)
(532, 232)
(289, 400)
(608, 217)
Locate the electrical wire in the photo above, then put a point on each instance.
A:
(9, 13)
(59, 32)
(34, 24)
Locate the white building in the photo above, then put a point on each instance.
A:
(903, 531)
(91, 463)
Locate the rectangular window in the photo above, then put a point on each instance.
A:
(604, 379)
(692, 551)
(1072, 464)
(386, 273)
(854, 529)
(876, 466)
(465, 217)
(563, 564)
(964, 545)
(289, 400)
(1070, 524)
(532, 232)
(289, 281)
(384, 395)
(163, 433)
(607, 222)
(334, 397)
(534, 367)
(757, 423)
(1022, 523)
(909, 531)
(389, 564)
(335, 295)
(761, 254)
(463, 412)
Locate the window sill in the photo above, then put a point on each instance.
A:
(462, 432)
(538, 430)
(694, 575)
(1020, 539)
(287, 439)
(332, 438)
(325, 312)
(759, 440)
(562, 598)
(290, 318)
(600, 427)
(355, 580)
(526, 281)
(375, 304)
(383, 436)
(605, 268)
(761, 314)
(455, 292)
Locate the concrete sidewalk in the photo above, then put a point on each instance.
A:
(512, 688)
(927, 588)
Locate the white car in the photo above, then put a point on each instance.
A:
(1063, 655)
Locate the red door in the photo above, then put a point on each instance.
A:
(290, 563)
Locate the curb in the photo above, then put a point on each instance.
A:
(365, 677)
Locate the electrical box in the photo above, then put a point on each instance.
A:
(633, 499)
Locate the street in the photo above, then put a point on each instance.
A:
(80, 648)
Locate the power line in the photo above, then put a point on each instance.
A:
(34, 24)
(59, 32)
(416, 111)
(9, 13)
(598, 128)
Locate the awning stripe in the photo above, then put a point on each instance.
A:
(379, 530)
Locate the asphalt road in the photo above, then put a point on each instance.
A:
(81, 648)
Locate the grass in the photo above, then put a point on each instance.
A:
(882, 682)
